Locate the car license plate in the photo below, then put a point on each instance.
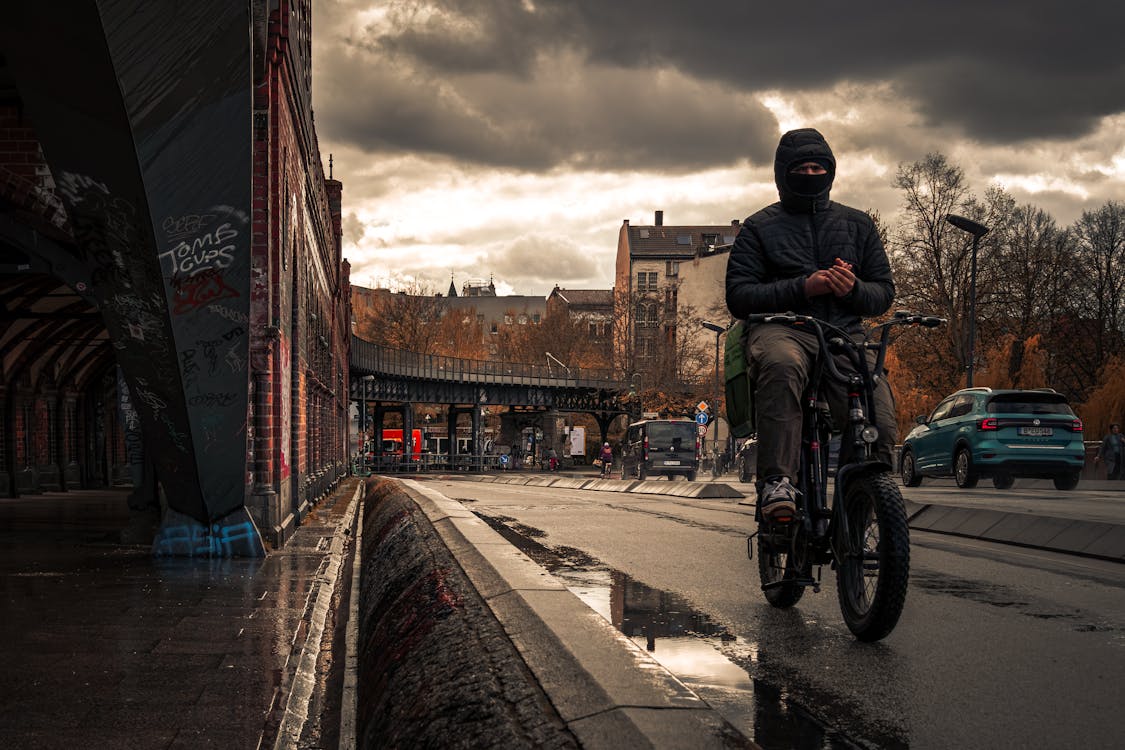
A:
(671, 463)
(1036, 431)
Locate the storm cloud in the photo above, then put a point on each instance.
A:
(462, 128)
(671, 84)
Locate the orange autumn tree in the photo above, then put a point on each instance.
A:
(1106, 403)
(1014, 363)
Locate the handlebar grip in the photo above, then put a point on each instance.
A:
(932, 322)
(787, 317)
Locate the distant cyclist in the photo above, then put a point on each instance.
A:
(808, 255)
(606, 457)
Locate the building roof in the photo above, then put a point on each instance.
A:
(585, 297)
(677, 241)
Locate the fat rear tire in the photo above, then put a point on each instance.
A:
(775, 565)
(871, 582)
(909, 472)
(963, 471)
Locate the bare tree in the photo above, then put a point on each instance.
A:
(927, 260)
(407, 318)
(1092, 329)
(1032, 288)
(933, 260)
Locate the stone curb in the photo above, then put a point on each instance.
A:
(646, 487)
(607, 689)
(1076, 537)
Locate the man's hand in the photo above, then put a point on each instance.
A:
(837, 280)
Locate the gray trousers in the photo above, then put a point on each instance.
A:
(781, 360)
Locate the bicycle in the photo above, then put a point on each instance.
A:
(863, 534)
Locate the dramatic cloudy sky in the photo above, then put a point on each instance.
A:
(510, 138)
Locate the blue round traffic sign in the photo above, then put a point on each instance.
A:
(701, 417)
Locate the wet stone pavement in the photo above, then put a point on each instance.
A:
(105, 646)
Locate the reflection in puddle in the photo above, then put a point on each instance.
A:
(684, 641)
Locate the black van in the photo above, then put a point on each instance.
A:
(660, 446)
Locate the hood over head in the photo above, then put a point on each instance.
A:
(802, 192)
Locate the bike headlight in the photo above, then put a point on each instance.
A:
(869, 434)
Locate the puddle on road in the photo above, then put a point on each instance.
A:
(684, 641)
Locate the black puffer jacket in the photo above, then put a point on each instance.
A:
(784, 243)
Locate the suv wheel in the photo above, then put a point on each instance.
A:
(1067, 481)
(963, 470)
(1003, 481)
(910, 475)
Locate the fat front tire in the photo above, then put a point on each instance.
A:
(1003, 481)
(1067, 481)
(909, 472)
(871, 580)
(775, 565)
(963, 471)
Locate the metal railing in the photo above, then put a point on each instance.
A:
(375, 359)
(427, 462)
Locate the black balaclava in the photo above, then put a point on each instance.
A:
(799, 192)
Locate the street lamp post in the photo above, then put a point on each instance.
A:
(978, 231)
(719, 330)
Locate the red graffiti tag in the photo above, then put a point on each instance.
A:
(201, 289)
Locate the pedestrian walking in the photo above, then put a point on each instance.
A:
(1112, 453)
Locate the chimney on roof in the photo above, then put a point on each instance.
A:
(659, 218)
(734, 222)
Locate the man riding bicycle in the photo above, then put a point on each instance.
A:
(808, 255)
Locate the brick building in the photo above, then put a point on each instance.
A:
(652, 265)
(175, 300)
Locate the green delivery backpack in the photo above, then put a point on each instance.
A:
(739, 388)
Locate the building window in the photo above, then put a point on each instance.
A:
(507, 320)
(522, 320)
(670, 298)
(711, 239)
(492, 329)
(535, 318)
(646, 315)
(672, 268)
(646, 281)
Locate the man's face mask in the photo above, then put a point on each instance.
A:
(808, 185)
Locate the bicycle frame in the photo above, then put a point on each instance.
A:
(824, 526)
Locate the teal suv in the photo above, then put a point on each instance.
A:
(999, 434)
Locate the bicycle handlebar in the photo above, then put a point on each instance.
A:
(900, 317)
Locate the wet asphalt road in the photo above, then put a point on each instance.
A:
(999, 646)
